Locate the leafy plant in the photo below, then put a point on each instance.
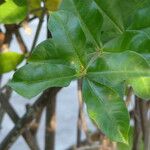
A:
(104, 43)
(13, 11)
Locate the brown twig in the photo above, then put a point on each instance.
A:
(23, 123)
(137, 126)
(21, 42)
(14, 116)
(50, 116)
(129, 95)
(35, 124)
(36, 10)
(7, 93)
(38, 30)
(5, 39)
(81, 124)
(145, 122)
(50, 122)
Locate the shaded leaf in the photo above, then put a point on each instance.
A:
(136, 37)
(118, 15)
(91, 20)
(133, 40)
(141, 19)
(112, 12)
(67, 5)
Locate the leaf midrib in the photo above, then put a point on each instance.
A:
(49, 80)
(119, 72)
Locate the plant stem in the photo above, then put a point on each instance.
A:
(145, 123)
(137, 126)
(80, 111)
(81, 124)
(22, 124)
(50, 122)
(21, 42)
(38, 30)
(14, 116)
(50, 116)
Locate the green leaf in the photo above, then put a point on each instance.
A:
(112, 69)
(147, 57)
(122, 146)
(91, 20)
(13, 11)
(67, 5)
(128, 9)
(32, 79)
(117, 67)
(118, 15)
(43, 70)
(140, 42)
(66, 30)
(49, 52)
(9, 61)
(136, 37)
(107, 110)
(112, 12)
(133, 40)
(141, 19)
(55, 62)
(141, 87)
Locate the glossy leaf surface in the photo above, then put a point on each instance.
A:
(42, 71)
(135, 38)
(91, 20)
(69, 35)
(107, 110)
(117, 67)
(111, 11)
